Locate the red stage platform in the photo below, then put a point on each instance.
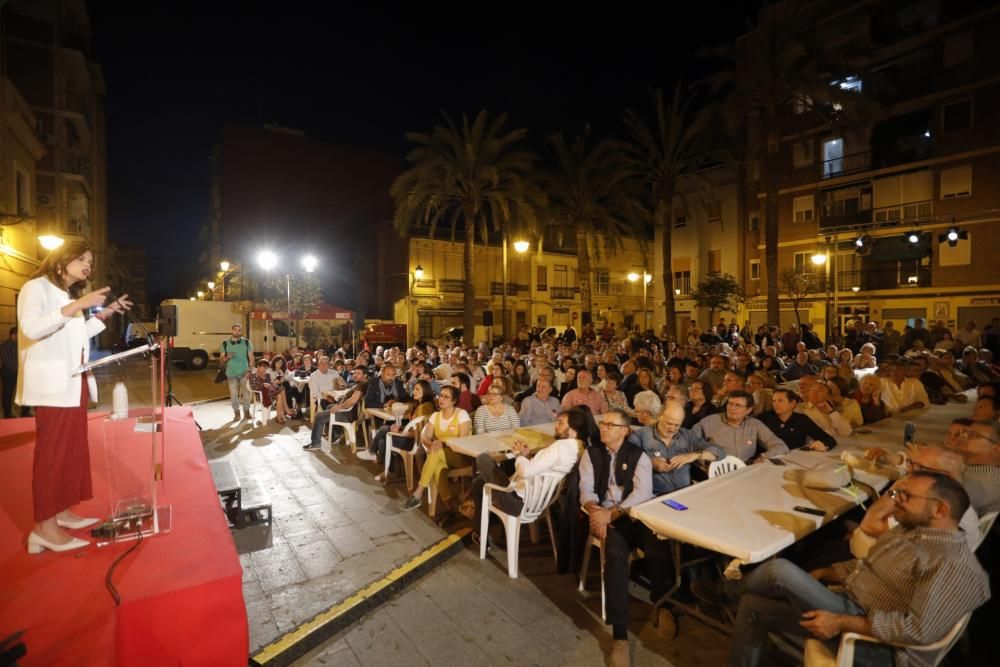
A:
(182, 596)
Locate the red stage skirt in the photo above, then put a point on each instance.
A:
(61, 471)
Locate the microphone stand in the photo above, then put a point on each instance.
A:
(170, 397)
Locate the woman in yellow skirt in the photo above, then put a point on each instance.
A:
(450, 421)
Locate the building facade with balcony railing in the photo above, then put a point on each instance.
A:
(922, 165)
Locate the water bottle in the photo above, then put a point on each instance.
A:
(119, 402)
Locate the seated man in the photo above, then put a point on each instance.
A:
(820, 408)
(979, 445)
(794, 428)
(900, 392)
(673, 449)
(345, 411)
(540, 407)
(733, 381)
(323, 382)
(386, 389)
(614, 478)
(737, 433)
(647, 407)
(585, 394)
(986, 409)
(467, 399)
(878, 520)
(799, 367)
(918, 580)
(560, 456)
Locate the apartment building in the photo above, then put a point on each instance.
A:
(903, 208)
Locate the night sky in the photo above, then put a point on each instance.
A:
(176, 72)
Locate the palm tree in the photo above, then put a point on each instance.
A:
(675, 144)
(474, 177)
(778, 65)
(588, 199)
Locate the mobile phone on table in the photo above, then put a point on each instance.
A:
(777, 462)
(909, 431)
(809, 510)
(674, 504)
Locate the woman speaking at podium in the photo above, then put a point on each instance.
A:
(54, 340)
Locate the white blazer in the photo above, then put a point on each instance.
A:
(51, 346)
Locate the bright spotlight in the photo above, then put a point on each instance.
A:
(267, 260)
(913, 237)
(309, 263)
(50, 242)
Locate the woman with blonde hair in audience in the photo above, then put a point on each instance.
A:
(646, 381)
(867, 357)
(869, 398)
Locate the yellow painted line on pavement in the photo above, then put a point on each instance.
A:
(273, 652)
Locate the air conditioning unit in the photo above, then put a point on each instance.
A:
(44, 200)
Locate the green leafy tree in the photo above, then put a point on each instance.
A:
(658, 154)
(797, 286)
(718, 292)
(589, 200)
(472, 177)
(303, 290)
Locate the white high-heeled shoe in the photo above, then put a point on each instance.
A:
(37, 544)
(76, 524)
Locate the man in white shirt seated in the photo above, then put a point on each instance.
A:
(323, 382)
(559, 457)
(900, 392)
(819, 407)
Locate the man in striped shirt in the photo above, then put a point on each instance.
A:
(918, 580)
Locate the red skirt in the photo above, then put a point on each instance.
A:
(61, 471)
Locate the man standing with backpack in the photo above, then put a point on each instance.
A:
(237, 355)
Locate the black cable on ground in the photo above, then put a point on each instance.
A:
(111, 570)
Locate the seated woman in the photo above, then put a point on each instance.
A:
(761, 394)
(494, 414)
(700, 393)
(520, 380)
(279, 378)
(869, 397)
(449, 421)
(496, 371)
(769, 370)
(867, 357)
(261, 380)
(422, 405)
(614, 397)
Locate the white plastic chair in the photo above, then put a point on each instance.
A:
(257, 406)
(817, 654)
(725, 466)
(407, 455)
(539, 493)
(465, 472)
(350, 428)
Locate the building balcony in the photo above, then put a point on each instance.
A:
(496, 288)
(848, 164)
(853, 219)
(564, 292)
(883, 279)
(75, 163)
(451, 286)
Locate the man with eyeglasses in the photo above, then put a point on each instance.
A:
(878, 520)
(978, 443)
(737, 433)
(672, 449)
(918, 580)
(613, 479)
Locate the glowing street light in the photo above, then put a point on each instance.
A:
(211, 285)
(224, 265)
(267, 260)
(201, 295)
(50, 242)
(521, 246)
(418, 273)
(819, 258)
(309, 263)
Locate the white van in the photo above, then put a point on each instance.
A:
(203, 325)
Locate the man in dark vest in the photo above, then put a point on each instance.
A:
(614, 478)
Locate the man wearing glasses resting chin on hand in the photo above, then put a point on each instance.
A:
(614, 478)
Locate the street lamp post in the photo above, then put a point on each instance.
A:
(418, 275)
(646, 279)
(827, 258)
(520, 247)
(268, 260)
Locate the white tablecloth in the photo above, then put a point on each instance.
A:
(748, 514)
(498, 442)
